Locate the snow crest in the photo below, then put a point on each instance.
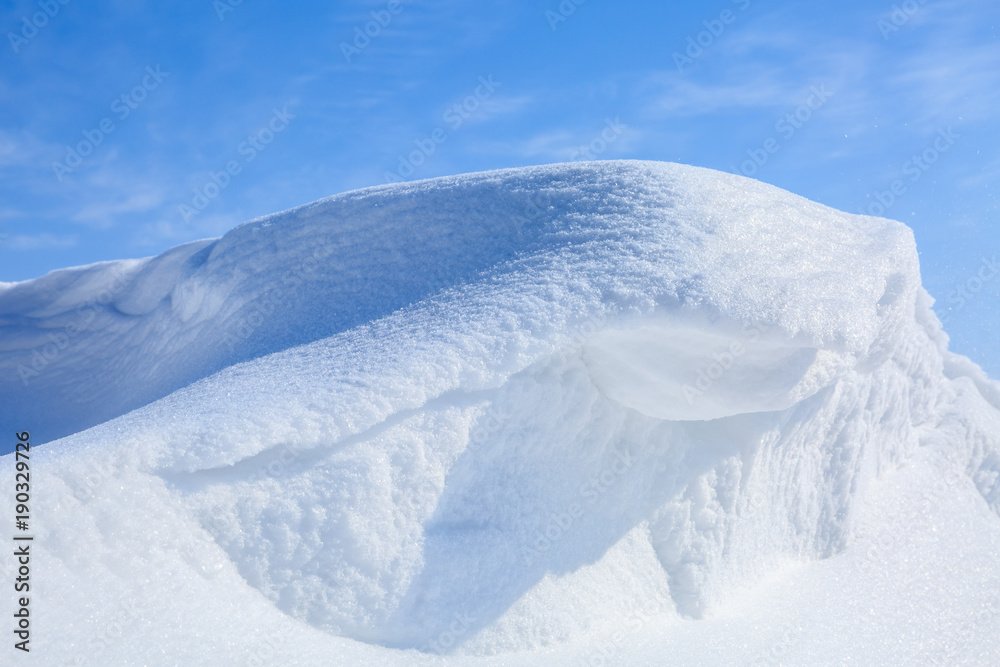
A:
(483, 414)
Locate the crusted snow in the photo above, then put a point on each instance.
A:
(625, 411)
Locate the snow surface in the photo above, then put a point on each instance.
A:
(581, 414)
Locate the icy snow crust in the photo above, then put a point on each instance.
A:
(519, 414)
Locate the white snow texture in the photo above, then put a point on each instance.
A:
(606, 413)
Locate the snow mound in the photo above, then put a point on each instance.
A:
(480, 415)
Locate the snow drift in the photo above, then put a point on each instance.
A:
(500, 414)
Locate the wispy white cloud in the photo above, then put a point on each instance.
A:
(555, 144)
(20, 150)
(44, 241)
(173, 230)
(988, 175)
(766, 63)
(584, 142)
(501, 106)
(110, 209)
(957, 82)
(945, 73)
(684, 97)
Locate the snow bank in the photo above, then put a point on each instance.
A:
(503, 414)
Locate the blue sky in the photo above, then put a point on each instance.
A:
(130, 127)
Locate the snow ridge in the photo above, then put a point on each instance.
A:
(450, 415)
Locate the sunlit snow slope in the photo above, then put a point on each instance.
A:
(624, 411)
